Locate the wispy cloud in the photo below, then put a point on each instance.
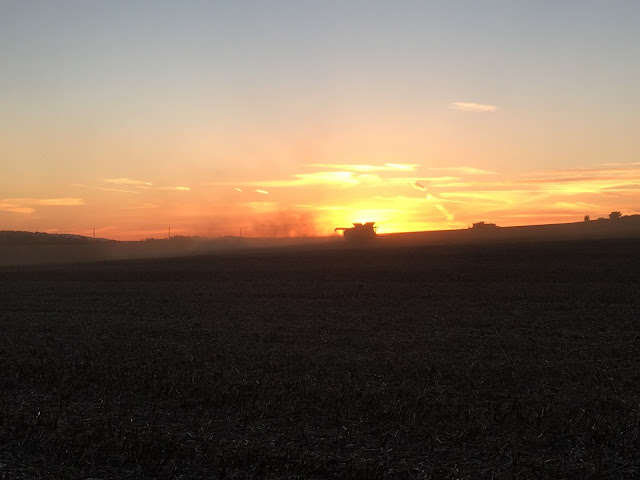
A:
(117, 190)
(585, 172)
(630, 186)
(418, 186)
(472, 107)
(437, 202)
(344, 179)
(463, 170)
(25, 205)
(127, 181)
(577, 206)
(264, 192)
(544, 196)
(445, 212)
(487, 198)
(402, 166)
(455, 195)
(387, 167)
(324, 207)
(139, 184)
(56, 202)
(619, 164)
(48, 202)
(335, 175)
(13, 208)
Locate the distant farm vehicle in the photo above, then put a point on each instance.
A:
(484, 226)
(359, 232)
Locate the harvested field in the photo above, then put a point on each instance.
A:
(501, 361)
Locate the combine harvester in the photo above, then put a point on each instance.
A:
(360, 232)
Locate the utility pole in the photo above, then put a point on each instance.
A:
(94, 232)
(169, 232)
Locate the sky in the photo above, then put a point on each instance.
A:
(291, 118)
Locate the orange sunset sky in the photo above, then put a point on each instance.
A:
(292, 118)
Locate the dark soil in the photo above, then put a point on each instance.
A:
(503, 361)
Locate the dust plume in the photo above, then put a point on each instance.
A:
(285, 223)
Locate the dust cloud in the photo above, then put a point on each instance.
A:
(283, 224)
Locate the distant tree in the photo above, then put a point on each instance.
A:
(587, 218)
(614, 215)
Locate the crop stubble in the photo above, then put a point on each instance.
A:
(425, 362)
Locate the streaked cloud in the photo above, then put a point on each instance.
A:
(120, 190)
(264, 192)
(179, 189)
(630, 186)
(432, 198)
(579, 206)
(403, 181)
(344, 179)
(463, 170)
(485, 198)
(325, 207)
(25, 205)
(534, 214)
(127, 181)
(49, 202)
(620, 164)
(13, 208)
(403, 201)
(445, 212)
(327, 178)
(626, 171)
(562, 195)
(402, 166)
(472, 107)
(418, 186)
(387, 167)
(453, 196)
(344, 175)
(56, 202)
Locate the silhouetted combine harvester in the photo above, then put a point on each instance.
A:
(360, 232)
